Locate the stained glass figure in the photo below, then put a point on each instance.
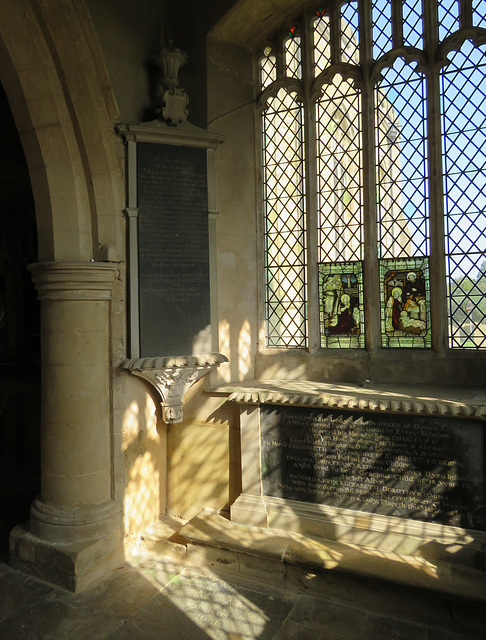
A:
(405, 304)
(341, 304)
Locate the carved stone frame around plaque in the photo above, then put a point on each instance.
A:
(177, 371)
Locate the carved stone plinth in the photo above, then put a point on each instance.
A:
(173, 376)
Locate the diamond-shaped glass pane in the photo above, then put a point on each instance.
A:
(412, 23)
(293, 57)
(322, 47)
(479, 13)
(285, 268)
(448, 17)
(350, 33)
(382, 27)
(339, 168)
(466, 279)
(268, 71)
(401, 143)
(464, 166)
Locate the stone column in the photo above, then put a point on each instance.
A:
(75, 514)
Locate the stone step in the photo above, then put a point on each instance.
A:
(285, 557)
(163, 538)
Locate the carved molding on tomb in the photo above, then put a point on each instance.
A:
(173, 376)
(356, 398)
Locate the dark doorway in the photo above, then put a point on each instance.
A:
(19, 335)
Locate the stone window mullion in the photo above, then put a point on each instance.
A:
(438, 289)
(370, 257)
(311, 192)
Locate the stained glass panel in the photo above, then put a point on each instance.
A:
(403, 204)
(405, 308)
(322, 48)
(285, 265)
(448, 17)
(382, 27)
(341, 310)
(412, 23)
(350, 33)
(464, 168)
(339, 172)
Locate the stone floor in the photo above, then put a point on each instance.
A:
(155, 597)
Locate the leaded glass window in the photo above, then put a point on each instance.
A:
(400, 125)
(321, 36)
(293, 55)
(448, 11)
(479, 14)
(464, 160)
(285, 265)
(339, 172)
(268, 68)
(381, 27)
(350, 33)
(358, 130)
(413, 23)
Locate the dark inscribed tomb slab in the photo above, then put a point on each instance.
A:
(173, 248)
(423, 468)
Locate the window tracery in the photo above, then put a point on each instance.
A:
(379, 107)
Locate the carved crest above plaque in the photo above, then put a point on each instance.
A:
(173, 102)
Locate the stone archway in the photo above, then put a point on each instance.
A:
(55, 80)
(56, 84)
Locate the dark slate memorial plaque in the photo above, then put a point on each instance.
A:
(173, 248)
(424, 468)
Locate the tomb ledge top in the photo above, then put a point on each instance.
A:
(382, 398)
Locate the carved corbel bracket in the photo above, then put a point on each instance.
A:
(173, 376)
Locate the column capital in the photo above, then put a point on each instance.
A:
(73, 280)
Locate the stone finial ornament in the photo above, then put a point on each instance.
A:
(173, 102)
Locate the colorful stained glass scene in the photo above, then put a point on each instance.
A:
(405, 309)
(341, 305)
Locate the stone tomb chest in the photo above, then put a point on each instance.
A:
(424, 468)
(393, 474)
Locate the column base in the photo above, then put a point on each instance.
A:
(71, 566)
(70, 525)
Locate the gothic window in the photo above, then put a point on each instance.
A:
(373, 127)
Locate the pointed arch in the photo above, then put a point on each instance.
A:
(54, 77)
